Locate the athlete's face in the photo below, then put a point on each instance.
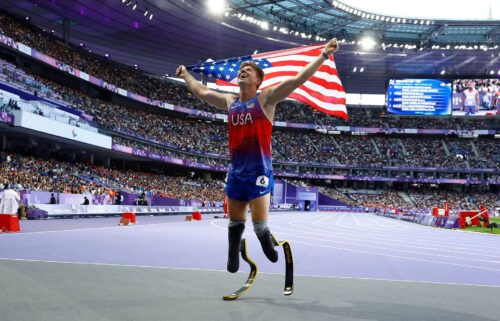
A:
(471, 85)
(248, 76)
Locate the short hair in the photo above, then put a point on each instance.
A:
(258, 70)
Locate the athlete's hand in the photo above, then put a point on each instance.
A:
(181, 71)
(331, 47)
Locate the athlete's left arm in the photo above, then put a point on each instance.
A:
(275, 94)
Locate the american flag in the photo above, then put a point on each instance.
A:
(323, 90)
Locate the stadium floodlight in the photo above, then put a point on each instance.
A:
(151, 17)
(264, 25)
(361, 69)
(135, 6)
(443, 72)
(354, 69)
(492, 72)
(216, 6)
(146, 12)
(367, 43)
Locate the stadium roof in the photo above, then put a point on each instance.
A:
(184, 32)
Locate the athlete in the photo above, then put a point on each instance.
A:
(470, 98)
(250, 119)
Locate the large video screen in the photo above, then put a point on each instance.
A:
(476, 97)
(410, 97)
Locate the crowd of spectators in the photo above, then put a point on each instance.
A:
(205, 136)
(31, 173)
(383, 199)
(35, 174)
(437, 198)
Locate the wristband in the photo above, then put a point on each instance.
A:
(324, 54)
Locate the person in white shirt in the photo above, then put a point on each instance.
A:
(470, 98)
(9, 203)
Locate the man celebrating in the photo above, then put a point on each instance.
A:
(250, 119)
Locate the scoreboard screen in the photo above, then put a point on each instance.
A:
(430, 97)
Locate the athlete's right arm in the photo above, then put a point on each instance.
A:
(218, 100)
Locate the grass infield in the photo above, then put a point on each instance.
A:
(486, 230)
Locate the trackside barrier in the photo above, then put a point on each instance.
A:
(9, 223)
(196, 216)
(128, 218)
(426, 218)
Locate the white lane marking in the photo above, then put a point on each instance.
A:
(360, 245)
(408, 241)
(432, 240)
(97, 228)
(337, 223)
(384, 239)
(393, 256)
(245, 272)
(372, 253)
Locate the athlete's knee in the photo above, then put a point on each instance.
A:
(266, 240)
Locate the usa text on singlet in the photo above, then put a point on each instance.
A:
(249, 138)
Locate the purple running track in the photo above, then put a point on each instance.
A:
(324, 244)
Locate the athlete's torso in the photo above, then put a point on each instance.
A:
(470, 97)
(249, 138)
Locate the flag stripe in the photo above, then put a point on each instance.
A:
(336, 100)
(285, 52)
(329, 82)
(282, 62)
(335, 92)
(298, 66)
(318, 102)
(338, 111)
